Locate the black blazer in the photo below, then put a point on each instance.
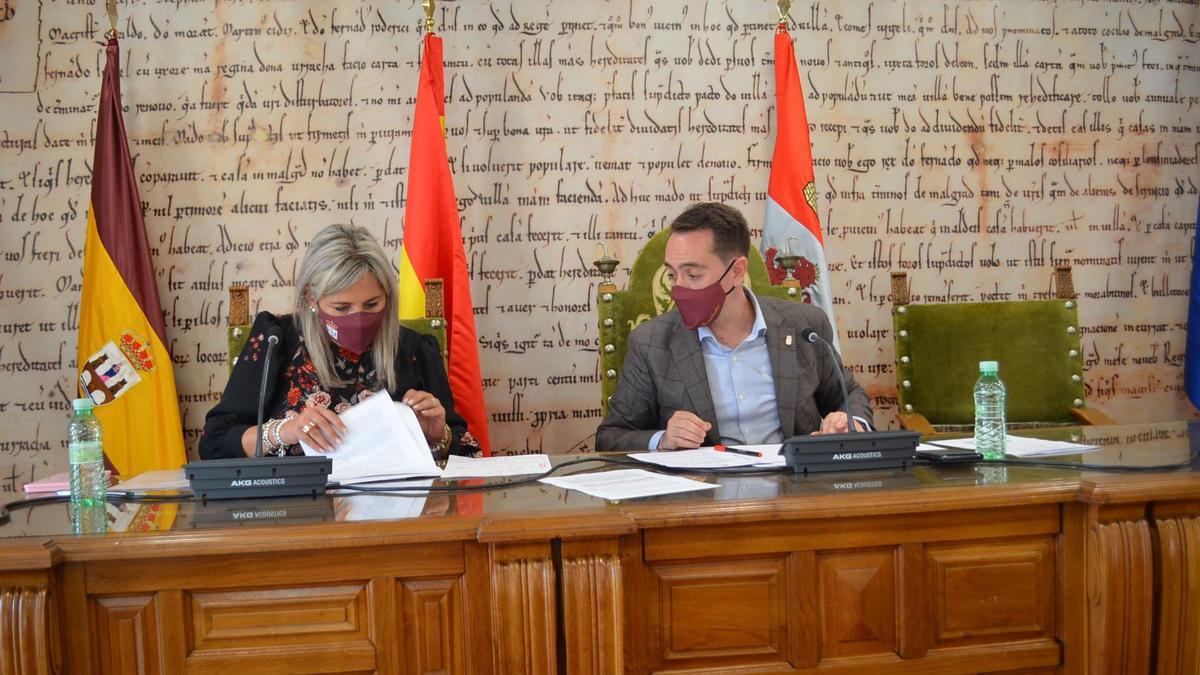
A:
(418, 366)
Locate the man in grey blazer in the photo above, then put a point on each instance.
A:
(724, 366)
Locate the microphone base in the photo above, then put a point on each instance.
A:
(258, 477)
(853, 451)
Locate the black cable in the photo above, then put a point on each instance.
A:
(117, 496)
(1084, 466)
(482, 487)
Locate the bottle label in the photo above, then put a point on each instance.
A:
(82, 452)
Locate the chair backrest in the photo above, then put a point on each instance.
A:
(1036, 342)
(648, 295)
(433, 324)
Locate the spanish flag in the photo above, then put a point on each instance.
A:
(791, 225)
(123, 363)
(433, 245)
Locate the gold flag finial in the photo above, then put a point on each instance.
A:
(784, 6)
(111, 6)
(427, 5)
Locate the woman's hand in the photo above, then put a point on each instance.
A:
(430, 413)
(317, 426)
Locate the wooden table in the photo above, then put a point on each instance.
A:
(921, 570)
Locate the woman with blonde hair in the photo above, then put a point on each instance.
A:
(342, 343)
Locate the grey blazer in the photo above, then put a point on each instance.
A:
(664, 372)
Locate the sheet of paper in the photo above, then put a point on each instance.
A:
(166, 479)
(383, 439)
(699, 458)
(627, 484)
(490, 467)
(1021, 446)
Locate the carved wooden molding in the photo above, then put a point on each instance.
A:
(900, 293)
(1120, 580)
(593, 613)
(523, 608)
(1064, 284)
(29, 642)
(239, 305)
(1179, 594)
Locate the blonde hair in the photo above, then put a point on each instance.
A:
(337, 258)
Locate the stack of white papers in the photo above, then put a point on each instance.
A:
(490, 467)
(1021, 446)
(627, 484)
(383, 440)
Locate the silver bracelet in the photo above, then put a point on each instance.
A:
(275, 435)
(266, 434)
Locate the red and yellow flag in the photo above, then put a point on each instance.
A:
(433, 246)
(791, 224)
(124, 365)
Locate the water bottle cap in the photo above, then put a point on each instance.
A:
(82, 404)
(989, 367)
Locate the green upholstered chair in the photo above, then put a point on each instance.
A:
(648, 295)
(238, 330)
(1036, 342)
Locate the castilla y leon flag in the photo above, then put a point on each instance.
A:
(791, 224)
(123, 363)
(433, 246)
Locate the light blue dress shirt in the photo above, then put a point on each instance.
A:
(741, 385)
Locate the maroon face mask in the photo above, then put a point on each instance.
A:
(355, 331)
(701, 306)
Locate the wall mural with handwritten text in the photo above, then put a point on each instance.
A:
(970, 144)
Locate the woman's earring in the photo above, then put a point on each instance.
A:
(312, 310)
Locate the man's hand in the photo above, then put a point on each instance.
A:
(684, 430)
(835, 423)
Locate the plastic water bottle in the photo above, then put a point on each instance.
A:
(989, 411)
(89, 485)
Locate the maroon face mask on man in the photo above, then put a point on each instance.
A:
(355, 331)
(701, 306)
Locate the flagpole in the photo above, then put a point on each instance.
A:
(111, 7)
(784, 7)
(427, 5)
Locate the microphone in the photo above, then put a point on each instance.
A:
(272, 342)
(810, 335)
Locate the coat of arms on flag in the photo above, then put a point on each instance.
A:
(114, 370)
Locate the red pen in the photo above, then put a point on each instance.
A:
(737, 451)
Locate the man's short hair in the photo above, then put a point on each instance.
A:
(731, 234)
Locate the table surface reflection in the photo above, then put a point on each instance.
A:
(821, 495)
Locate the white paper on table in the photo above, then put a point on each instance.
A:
(165, 479)
(1022, 446)
(699, 458)
(383, 439)
(390, 506)
(772, 455)
(627, 484)
(491, 467)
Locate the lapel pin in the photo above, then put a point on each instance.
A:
(788, 340)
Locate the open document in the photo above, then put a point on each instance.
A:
(627, 484)
(1021, 446)
(383, 440)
